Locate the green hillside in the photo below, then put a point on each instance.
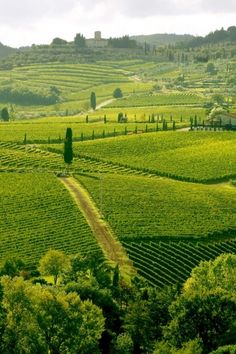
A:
(143, 207)
(37, 214)
(193, 156)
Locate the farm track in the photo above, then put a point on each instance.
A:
(111, 247)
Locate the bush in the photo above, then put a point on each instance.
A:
(117, 93)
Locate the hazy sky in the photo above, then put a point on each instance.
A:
(24, 22)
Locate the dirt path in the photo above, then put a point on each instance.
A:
(105, 103)
(112, 248)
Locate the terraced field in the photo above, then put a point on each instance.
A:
(74, 83)
(37, 214)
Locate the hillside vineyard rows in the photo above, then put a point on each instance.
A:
(37, 214)
(168, 196)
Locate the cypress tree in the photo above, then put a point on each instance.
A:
(93, 100)
(68, 151)
(5, 114)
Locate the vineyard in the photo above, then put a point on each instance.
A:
(139, 207)
(41, 216)
(166, 195)
(158, 100)
(73, 84)
(193, 156)
(37, 132)
(167, 263)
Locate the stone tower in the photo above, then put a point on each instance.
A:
(97, 35)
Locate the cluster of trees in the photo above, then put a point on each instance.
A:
(122, 42)
(89, 308)
(5, 114)
(217, 36)
(28, 96)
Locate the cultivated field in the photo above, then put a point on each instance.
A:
(167, 195)
(37, 214)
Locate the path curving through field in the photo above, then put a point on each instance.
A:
(111, 247)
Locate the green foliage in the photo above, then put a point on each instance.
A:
(12, 267)
(124, 344)
(58, 41)
(79, 41)
(93, 100)
(227, 349)
(5, 115)
(68, 150)
(28, 96)
(47, 320)
(191, 347)
(117, 93)
(208, 317)
(219, 273)
(123, 42)
(54, 263)
(211, 69)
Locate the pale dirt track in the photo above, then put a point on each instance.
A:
(112, 249)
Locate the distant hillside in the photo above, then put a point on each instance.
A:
(162, 39)
(5, 50)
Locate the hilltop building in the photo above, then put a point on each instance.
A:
(97, 41)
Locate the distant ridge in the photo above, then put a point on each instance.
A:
(5, 50)
(160, 39)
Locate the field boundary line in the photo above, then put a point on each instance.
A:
(105, 237)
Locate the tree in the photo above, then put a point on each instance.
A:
(58, 41)
(117, 93)
(5, 115)
(93, 100)
(68, 150)
(120, 117)
(12, 267)
(54, 263)
(219, 273)
(47, 320)
(79, 40)
(210, 317)
(211, 69)
(206, 308)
